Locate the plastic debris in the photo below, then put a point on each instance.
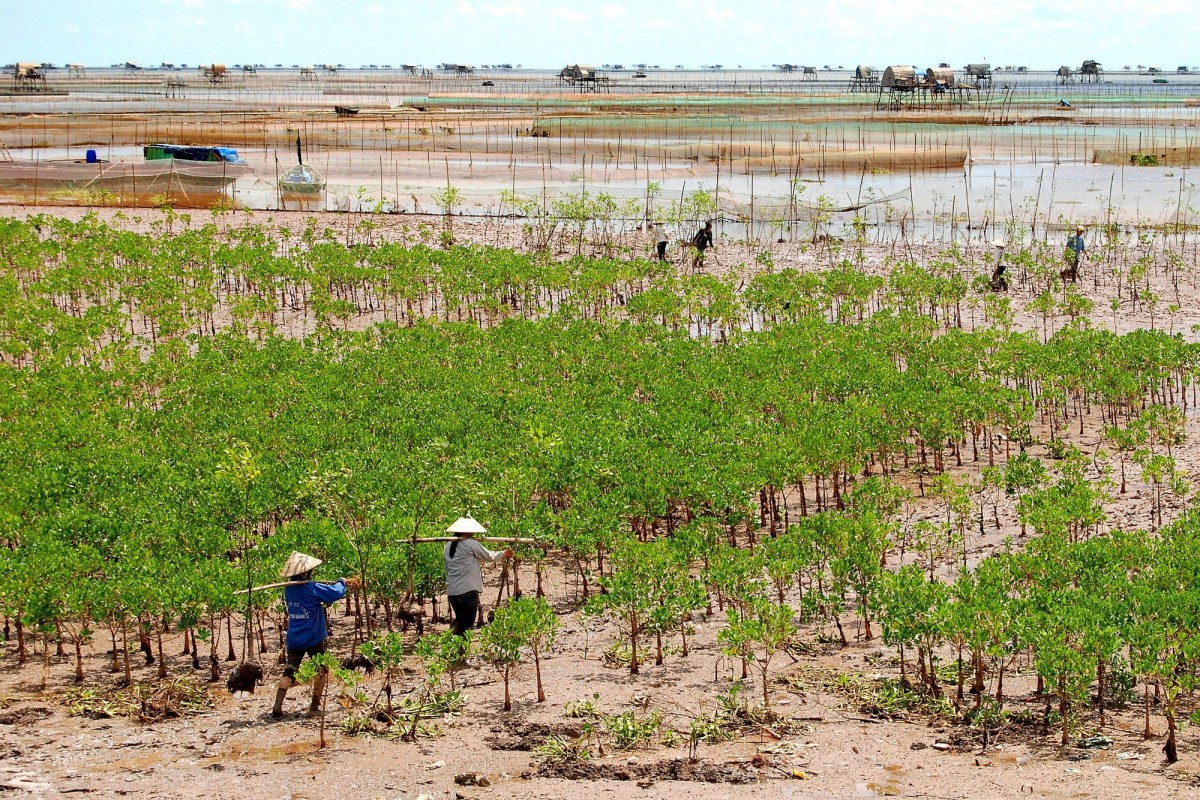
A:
(1096, 743)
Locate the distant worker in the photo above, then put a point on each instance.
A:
(660, 240)
(998, 282)
(464, 576)
(702, 241)
(307, 629)
(1076, 250)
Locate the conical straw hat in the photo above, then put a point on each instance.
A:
(466, 525)
(298, 564)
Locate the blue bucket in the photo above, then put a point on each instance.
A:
(91, 157)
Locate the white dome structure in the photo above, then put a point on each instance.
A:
(303, 179)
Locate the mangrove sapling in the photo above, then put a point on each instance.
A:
(500, 642)
(386, 652)
(442, 654)
(318, 669)
(447, 199)
(627, 593)
(1023, 474)
(675, 594)
(913, 612)
(757, 635)
(240, 468)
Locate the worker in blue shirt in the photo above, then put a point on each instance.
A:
(307, 631)
(1076, 250)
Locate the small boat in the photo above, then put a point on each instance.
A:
(346, 111)
(639, 74)
(301, 180)
(1161, 80)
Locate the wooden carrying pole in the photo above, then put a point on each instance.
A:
(283, 584)
(510, 540)
(280, 585)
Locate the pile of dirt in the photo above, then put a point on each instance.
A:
(523, 736)
(675, 769)
(25, 715)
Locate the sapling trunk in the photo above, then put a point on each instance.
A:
(507, 697)
(1063, 706)
(45, 660)
(162, 662)
(537, 671)
(958, 696)
(214, 664)
(633, 634)
(1170, 748)
(125, 650)
(144, 640)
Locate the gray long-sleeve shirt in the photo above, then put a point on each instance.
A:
(463, 573)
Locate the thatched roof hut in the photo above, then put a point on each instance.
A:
(899, 76)
(578, 72)
(864, 72)
(943, 76)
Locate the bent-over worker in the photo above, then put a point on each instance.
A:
(464, 558)
(1075, 252)
(307, 629)
(702, 241)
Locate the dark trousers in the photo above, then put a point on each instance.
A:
(465, 608)
(662, 251)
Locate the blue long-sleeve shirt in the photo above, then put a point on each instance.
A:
(306, 617)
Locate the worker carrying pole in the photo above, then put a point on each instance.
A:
(464, 576)
(307, 629)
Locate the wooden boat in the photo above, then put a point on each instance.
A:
(346, 111)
